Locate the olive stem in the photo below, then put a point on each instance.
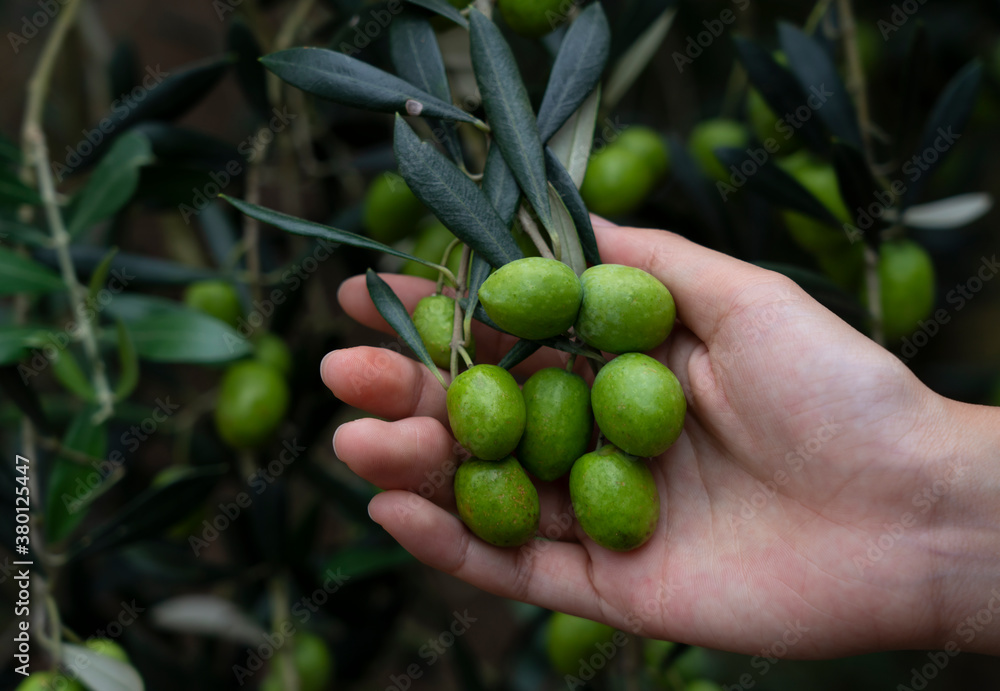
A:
(571, 363)
(874, 292)
(532, 230)
(279, 618)
(444, 262)
(457, 332)
(465, 356)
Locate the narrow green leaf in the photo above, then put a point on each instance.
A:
(359, 562)
(68, 372)
(13, 192)
(570, 251)
(778, 187)
(500, 186)
(858, 187)
(417, 59)
(455, 199)
(821, 83)
(72, 485)
(100, 274)
(518, 353)
(562, 184)
(128, 358)
(14, 342)
(508, 109)
(123, 68)
(167, 331)
(14, 231)
(944, 126)
(392, 310)
(477, 276)
(250, 73)
(180, 147)
(576, 71)
(20, 275)
(443, 8)
(128, 269)
(165, 96)
(301, 226)
(149, 513)
(220, 233)
(349, 81)
(572, 143)
(111, 184)
(780, 89)
(633, 61)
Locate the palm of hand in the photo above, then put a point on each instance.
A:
(789, 465)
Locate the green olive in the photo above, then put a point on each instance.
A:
(906, 279)
(391, 210)
(615, 498)
(649, 145)
(533, 18)
(253, 400)
(638, 404)
(571, 642)
(434, 318)
(617, 181)
(712, 134)
(497, 501)
(532, 298)
(624, 309)
(486, 411)
(215, 298)
(558, 425)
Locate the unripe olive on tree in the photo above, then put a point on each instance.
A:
(820, 179)
(533, 18)
(313, 664)
(253, 400)
(391, 210)
(906, 281)
(497, 501)
(649, 145)
(486, 411)
(430, 245)
(624, 309)
(614, 498)
(571, 641)
(434, 317)
(617, 181)
(558, 423)
(716, 133)
(215, 298)
(532, 298)
(639, 405)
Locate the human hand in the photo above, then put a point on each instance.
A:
(805, 446)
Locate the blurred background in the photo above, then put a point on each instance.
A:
(185, 578)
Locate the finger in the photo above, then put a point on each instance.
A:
(549, 574)
(706, 285)
(384, 383)
(419, 455)
(491, 345)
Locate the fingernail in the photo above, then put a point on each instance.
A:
(322, 363)
(370, 513)
(335, 433)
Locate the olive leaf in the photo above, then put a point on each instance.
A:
(780, 89)
(944, 126)
(564, 187)
(508, 110)
(518, 353)
(455, 199)
(572, 143)
(149, 513)
(636, 57)
(349, 81)
(72, 484)
(774, 184)
(128, 377)
(819, 79)
(576, 71)
(858, 186)
(300, 226)
(131, 269)
(250, 74)
(443, 8)
(99, 671)
(952, 212)
(417, 59)
(20, 275)
(392, 310)
(500, 186)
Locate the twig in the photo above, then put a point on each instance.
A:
(532, 230)
(37, 156)
(457, 332)
(279, 617)
(873, 290)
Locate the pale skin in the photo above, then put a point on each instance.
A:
(820, 496)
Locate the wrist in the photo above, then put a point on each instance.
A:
(964, 536)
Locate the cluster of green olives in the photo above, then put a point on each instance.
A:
(621, 175)
(545, 428)
(254, 395)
